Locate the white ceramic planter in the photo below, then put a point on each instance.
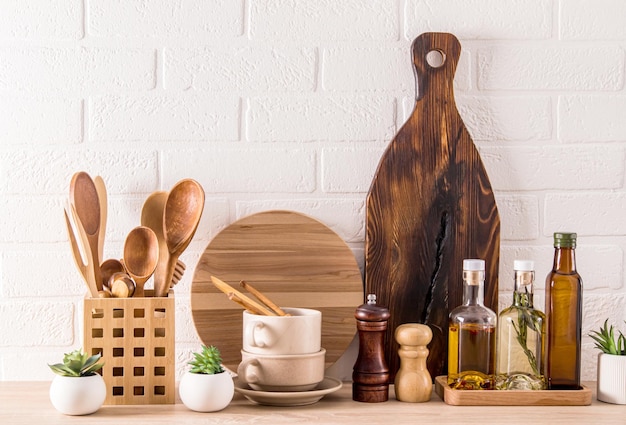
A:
(612, 378)
(206, 393)
(77, 395)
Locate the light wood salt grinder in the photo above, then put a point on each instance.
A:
(413, 382)
(370, 376)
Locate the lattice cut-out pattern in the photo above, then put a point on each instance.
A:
(136, 339)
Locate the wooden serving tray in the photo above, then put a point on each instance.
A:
(452, 397)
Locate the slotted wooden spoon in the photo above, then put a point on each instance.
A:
(84, 198)
(78, 240)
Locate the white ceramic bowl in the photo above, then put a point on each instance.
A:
(288, 372)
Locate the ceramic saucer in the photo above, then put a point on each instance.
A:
(289, 398)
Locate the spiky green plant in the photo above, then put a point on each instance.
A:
(77, 363)
(208, 361)
(607, 342)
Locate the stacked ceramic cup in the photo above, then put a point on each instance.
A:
(282, 353)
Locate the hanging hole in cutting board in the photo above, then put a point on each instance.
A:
(435, 58)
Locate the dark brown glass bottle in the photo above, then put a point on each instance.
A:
(563, 316)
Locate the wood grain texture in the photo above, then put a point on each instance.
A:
(429, 207)
(581, 397)
(27, 403)
(137, 342)
(294, 260)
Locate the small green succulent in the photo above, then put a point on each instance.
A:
(208, 361)
(607, 343)
(77, 363)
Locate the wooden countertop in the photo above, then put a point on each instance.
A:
(28, 403)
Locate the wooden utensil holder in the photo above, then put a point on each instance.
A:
(136, 339)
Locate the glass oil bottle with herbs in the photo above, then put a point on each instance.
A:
(521, 336)
(472, 334)
(563, 316)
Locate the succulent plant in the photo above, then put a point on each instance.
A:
(77, 363)
(208, 361)
(607, 342)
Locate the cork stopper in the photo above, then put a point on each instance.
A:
(524, 275)
(474, 271)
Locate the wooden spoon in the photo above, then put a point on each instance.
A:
(152, 217)
(141, 254)
(110, 267)
(122, 286)
(181, 216)
(84, 199)
(102, 198)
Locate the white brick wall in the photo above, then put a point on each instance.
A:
(242, 70)
(480, 19)
(324, 20)
(191, 20)
(273, 104)
(183, 117)
(547, 67)
(592, 19)
(41, 20)
(79, 69)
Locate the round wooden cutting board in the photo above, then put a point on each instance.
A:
(294, 260)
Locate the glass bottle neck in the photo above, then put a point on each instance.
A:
(473, 287)
(523, 291)
(564, 260)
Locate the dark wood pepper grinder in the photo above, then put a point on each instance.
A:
(370, 376)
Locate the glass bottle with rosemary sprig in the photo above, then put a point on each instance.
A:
(521, 336)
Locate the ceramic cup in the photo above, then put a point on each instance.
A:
(300, 333)
(287, 372)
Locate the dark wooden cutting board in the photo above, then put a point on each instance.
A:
(429, 207)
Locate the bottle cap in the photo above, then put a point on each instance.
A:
(474, 265)
(524, 265)
(564, 240)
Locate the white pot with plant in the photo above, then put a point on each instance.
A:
(206, 387)
(77, 389)
(611, 364)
